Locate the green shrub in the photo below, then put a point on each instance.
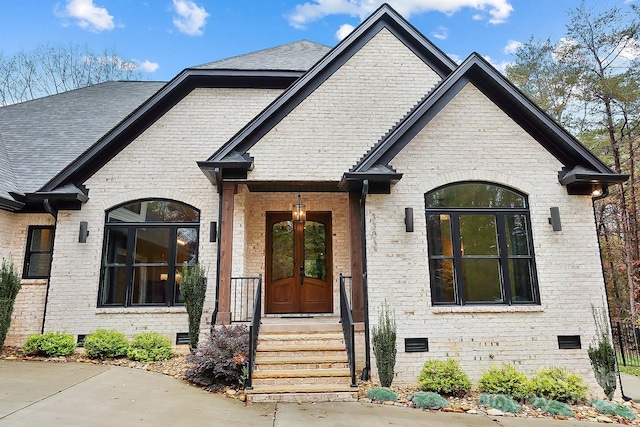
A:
(149, 347)
(558, 384)
(379, 394)
(384, 346)
(9, 288)
(443, 377)
(611, 408)
(193, 288)
(220, 360)
(428, 400)
(552, 407)
(504, 379)
(500, 401)
(50, 344)
(602, 355)
(105, 343)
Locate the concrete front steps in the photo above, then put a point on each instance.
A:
(301, 360)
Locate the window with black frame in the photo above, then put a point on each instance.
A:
(37, 259)
(480, 245)
(146, 245)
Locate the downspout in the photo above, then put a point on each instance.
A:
(54, 213)
(605, 193)
(365, 288)
(218, 175)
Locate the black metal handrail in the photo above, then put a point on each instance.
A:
(254, 330)
(242, 290)
(348, 287)
(348, 329)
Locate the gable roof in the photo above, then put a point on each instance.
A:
(296, 56)
(110, 144)
(582, 168)
(385, 17)
(39, 138)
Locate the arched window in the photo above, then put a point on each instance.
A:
(146, 244)
(480, 246)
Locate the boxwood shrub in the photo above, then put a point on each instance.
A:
(50, 344)
(443, 377)
(105, 343)
(150, 347)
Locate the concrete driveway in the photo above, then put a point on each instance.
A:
(77, 394)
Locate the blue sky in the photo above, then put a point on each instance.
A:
(166, 36)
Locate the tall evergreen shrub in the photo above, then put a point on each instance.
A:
(384, 345)
(601, 353)
(9, 287)
(193, 288)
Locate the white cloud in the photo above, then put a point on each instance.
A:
(512, 47)
(630, 49)
(441, 33)
(313, 10)
(500, 66)
(190, 18)
(344, 31)
(88, 15)
(455, 58)
(148, 66)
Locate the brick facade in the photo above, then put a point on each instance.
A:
(160, 163)
(346, 115)
(472, 139)
(28, 309)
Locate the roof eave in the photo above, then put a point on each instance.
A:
(379, 183)
(10, 205)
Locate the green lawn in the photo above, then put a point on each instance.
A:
(631, 370)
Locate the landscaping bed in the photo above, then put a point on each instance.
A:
(177, 365)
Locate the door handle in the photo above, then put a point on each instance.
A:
(301, 274)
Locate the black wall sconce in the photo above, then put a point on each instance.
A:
(213, 231)
(84, 232)
(554, 220)
(408, 219)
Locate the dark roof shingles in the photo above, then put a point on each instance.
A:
(44, 135)
(296, 56)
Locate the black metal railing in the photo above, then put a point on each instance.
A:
(348, 329)
(254, 330)
(243, 290)
(348, 285)
(626, 340)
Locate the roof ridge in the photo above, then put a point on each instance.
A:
(71, 91)
(267, 49)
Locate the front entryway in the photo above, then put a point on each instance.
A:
(298, 264)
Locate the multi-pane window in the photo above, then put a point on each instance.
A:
(146, 246)
(480, 247)
(37, 259)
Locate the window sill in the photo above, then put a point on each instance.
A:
(28, 282)
(141, 310)
(487, 309)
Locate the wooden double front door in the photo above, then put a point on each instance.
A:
(298, 264)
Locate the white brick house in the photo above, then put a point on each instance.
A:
(429, 184)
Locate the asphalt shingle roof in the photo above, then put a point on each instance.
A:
(41, 137)
(296, 56)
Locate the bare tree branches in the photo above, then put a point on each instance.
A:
(51, 69)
